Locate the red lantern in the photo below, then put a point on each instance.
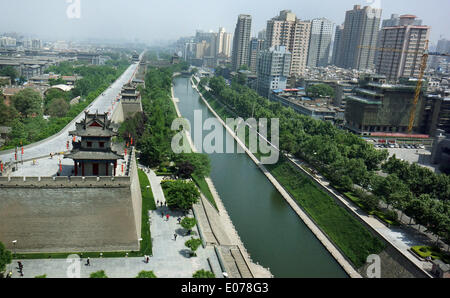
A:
(131, 141)
(22, 150)
(1, 167)
(15, 156)
(122, 168)
(74, 139)
(67, 144)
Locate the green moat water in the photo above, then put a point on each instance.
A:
(271, 231)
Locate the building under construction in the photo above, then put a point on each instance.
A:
(375, 106)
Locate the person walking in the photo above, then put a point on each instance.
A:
(162, 214)
(175, 237)
(88, 262)
(179, 220)
(148, 259)
(167, 217)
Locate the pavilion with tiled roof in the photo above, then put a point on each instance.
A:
(93, 154)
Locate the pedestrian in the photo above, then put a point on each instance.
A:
(88, 262)
(175, 237)
(157, 202)
(179, 219)
(19, 264)
(21, 273)
(148, 259)
(162, 214)
(167, 217)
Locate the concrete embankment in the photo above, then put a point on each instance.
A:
(218, 230)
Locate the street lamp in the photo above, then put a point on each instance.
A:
(14, 242)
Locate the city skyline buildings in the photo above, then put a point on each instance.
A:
(151, 26)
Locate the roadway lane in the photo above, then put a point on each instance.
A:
(58, 142)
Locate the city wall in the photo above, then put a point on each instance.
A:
(76, 214)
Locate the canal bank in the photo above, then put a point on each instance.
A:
(217, 229)
(271, 230)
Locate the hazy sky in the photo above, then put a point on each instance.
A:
(155, 20)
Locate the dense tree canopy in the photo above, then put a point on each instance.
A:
(27, 102)
(180, 194)
(320, 90)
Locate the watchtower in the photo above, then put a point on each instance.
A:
(93, 154)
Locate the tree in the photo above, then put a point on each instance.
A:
(188, 223)
(203, 274)
(146, 274)
(9, 71)
(181, 194)
(200, 163)
(99, 274)
(185, 169)
(27, 102)
(54, 82)
(5, 257)
(58, 107)
(320, 90)
(193, 245)
(7, 114)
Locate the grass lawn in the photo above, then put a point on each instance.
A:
(344, 230)
(204, 188)
(148, 203)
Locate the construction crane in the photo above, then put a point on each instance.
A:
(423, 67)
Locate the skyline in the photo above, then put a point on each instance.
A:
(156, 22)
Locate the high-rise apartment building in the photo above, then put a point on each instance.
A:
(256, 45)
(395, 21)
(223, 43)
(320, 42)
(286, 30)
(241, 42)
(273, 69)
(401, 49)
(337, 43)
(359, 38)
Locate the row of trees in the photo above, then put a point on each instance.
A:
(347, 160)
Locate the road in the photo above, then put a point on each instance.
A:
(58, 142)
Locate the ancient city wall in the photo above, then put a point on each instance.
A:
(76, 214)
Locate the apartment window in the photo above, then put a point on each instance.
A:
(89, 144)
(101, 144)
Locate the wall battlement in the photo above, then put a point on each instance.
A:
(65, 182)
